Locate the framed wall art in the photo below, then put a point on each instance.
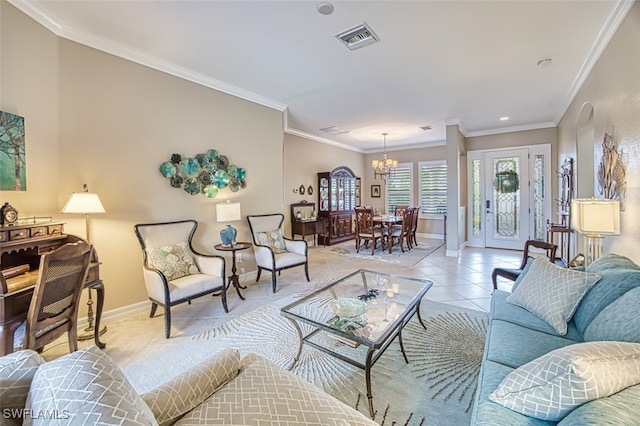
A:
(375, 191)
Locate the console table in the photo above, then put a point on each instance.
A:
(20, 249)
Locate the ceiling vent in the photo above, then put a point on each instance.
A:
(334, 130)
(358, 37)
(427, 127)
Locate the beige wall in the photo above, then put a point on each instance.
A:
(613, 88)
(93, 118)
(303, 160)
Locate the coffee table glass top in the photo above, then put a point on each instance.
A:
(364, 307)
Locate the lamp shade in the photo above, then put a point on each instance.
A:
(228, 212)
(83, 202)
(595, 217)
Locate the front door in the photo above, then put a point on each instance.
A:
(507, 198)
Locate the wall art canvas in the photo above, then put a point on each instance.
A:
(13, 158)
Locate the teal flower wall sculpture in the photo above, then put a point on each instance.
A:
(206, 173)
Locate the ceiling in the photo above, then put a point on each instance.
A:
(437, 62)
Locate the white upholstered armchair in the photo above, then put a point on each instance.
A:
(173, 271)
(273, 252)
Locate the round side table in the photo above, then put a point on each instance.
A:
(233, 278)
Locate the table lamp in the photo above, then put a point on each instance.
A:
(228, 212)
(595, 218)
(86, 203)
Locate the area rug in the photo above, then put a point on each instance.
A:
(436, 387)
(425, 247)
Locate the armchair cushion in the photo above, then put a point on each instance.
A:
(16, 373)
(273, 240)
(86, 387)
(174, 261)
(189, 389)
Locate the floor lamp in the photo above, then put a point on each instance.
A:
(595, 218)
(86, 203)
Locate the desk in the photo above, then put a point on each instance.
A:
(23, 245)
(388, 221)
(306, 227)
(233, 278)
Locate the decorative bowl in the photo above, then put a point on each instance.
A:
(348, 307)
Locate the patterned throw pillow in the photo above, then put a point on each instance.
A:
(551, 386)
(273, 240)
(552, 292)
(86, 387)
(16, 372)
(189, 389)
(173, 261)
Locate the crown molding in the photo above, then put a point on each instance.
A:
(41, 16)
(525, 127)
(322, 140)
(613, 21)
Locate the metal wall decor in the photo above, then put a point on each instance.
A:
(612, 181)
(203, 174)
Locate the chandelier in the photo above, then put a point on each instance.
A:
(386, 166)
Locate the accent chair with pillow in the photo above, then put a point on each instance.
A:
(174, 272)
(272, 250)
(564, 347)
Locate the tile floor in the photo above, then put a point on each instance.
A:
(463, 281)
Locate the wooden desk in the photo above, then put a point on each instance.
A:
(23, 245)
(304, 228)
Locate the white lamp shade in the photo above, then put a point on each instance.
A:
(83, 202)
(596, 217)
(228, 212)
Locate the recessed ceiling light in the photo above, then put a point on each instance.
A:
(325, 8)
(544, 62)
(505, 118)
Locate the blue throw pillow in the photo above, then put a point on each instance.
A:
(618, 275)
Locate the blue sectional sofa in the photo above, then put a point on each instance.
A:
(608, 311)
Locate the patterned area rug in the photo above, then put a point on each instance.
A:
(437, 387)
(425, 247)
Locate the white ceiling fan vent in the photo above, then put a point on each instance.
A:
(357, 37)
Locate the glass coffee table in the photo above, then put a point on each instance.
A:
(357, 317)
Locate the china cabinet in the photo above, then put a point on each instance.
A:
(337, 200)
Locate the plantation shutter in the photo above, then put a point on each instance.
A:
(399, 186)
(433, 187)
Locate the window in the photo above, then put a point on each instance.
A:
(433, 187)
(400, 187)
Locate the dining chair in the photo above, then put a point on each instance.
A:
(414, 226)
(274, 252)
(367, 231)
(402, 234)
(174, 272)
(513, 273)
(53, 310)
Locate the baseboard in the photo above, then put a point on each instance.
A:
(139, 307)
(433, 236)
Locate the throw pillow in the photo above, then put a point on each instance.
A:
(16, 373)
(173, 261)
(273, 240)
(189, 389)
(551, 386)
(552, 292)
(85, 387)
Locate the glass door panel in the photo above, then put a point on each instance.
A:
(507, 202)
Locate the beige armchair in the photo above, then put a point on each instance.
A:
(273, 252)
(174, 272)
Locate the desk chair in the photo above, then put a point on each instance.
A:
(513, 274)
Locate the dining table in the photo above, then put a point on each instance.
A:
(387, 221)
